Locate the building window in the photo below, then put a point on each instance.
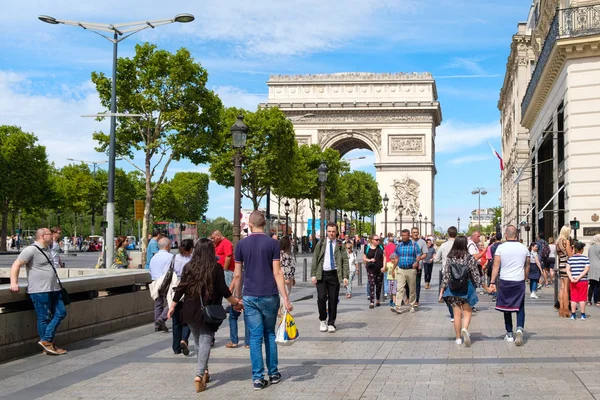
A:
(560, 127)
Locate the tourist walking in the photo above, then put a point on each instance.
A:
(224, 253)
(564, 250)
(121, 255)
(511, 266)
(288, 264)
(442, 255)
(203, 284)
(374, 258)
(152, 248)
(594, 274)
(550, 264)
(389, 248)
(428, 262)
(43, 287)
(158, 267)
(55, 248)
(181, 330)
(578, 267)
(352, 266)
(461, 276)
(416, 238)
(329, 268)
(406, 273)
(535, 270)
(259, 255)
(390, 268)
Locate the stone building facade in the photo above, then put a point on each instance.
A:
(561, 111)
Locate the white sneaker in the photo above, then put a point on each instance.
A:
(458, 341)
(413, 309)
(533, 295)
(451, 319)
(509, 337)
(466, 337)
(331, 328)
(519, 337)
(323, 326)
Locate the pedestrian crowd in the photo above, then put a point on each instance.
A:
(257, 277)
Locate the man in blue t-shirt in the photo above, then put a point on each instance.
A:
(263, 281)
(152, 248)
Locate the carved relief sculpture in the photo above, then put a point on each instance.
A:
(406, 145)
(406, 193)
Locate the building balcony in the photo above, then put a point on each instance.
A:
(573, 22)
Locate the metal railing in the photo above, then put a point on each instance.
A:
(567, 23)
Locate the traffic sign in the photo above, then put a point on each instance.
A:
(138, 210)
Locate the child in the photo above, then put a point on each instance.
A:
(352, 264)
(390, 267)
(578, 267)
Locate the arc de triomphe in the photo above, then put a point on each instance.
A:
(395, 115)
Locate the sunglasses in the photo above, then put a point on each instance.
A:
(377, 240)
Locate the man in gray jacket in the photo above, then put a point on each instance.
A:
(329, 268)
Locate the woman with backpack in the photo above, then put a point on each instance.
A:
(203, 284)
(374, 258)
(461, 277)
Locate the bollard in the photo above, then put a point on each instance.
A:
(360, 268)
(305, 272)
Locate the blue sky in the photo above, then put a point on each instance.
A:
(45, 70)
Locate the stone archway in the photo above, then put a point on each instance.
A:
(395, 115)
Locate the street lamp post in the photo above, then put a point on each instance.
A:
(414, 216)
(322, 171)
(287, 213)
(395, 226)
(479, 191)
(420, 227)
(239, 131)
(401, 209)
(385, 210)
(346, 221)
(119, 33)
(425, 219)
(458, 224)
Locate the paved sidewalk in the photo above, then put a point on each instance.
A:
(375, 354)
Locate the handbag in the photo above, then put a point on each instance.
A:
(213, 313)
(164, 287)
(65, 295)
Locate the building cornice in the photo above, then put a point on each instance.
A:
(563, 50)
(362, 77)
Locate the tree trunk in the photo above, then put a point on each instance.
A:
(147, 207)
(5, 206)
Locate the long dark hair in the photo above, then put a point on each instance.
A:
(186, 245)
(286, 244)
(198, 272)
(459, 248)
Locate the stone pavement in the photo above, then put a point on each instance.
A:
(375, 354)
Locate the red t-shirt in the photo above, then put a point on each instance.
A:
(225, 249)
(389, 249)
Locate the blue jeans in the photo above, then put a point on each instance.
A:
(181, 331)
(260, 316)
(533, 285)
(50, 311)
(233, 328)
(385, 284)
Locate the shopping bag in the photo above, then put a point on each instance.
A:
(287, 331)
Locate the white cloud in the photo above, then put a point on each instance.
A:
(235, 97)
(55, 119)
(469, 159)
(471, 65)
(454, 136)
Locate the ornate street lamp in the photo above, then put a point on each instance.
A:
(414, 216)
(396, 226)
(345, 216)
(287, 213)
(420, 227)
(458, 224)
(239, 132)
(479, 191)
(425, 219)
(322, 172)
(386, 200)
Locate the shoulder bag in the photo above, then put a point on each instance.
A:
(164, 288)
(214, 314)
(65, 295)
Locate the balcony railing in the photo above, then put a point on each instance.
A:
(567, 23)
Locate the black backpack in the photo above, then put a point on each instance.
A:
(544, 251)
(459, 277)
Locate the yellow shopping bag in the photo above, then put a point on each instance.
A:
(287, 332)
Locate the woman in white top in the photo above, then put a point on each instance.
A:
(550, 263)
(181, 332)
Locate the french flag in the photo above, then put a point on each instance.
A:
(494, 152)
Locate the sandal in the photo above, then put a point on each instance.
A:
(206, 377)
(371, 305)
(378, 304)
(231, 345)
(199, 384)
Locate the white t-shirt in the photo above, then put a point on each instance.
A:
(513, 256)
(472, 248)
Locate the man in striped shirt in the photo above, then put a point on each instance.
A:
(578, 267)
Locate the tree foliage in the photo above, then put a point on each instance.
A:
(182, 199)
(217, 224)
(270, 148)
(181, 118)
(25, 173)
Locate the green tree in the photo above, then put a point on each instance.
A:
(217, 224)
(25, 173)
(182, 199)
(271, 144)
(181, 118)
